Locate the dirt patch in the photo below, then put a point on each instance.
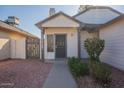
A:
(117, 80)
(87, 82)
(23, 73)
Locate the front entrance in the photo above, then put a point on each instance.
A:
(60, 46)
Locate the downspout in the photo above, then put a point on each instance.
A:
(26, 48)
(42, 49)
(98, 30)
(79, 48)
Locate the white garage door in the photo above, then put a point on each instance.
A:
(113, 53)
(18, 49)
(84, 35)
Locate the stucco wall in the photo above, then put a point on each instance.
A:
(72, 42)
(18, 46)
(60, 21)
(4, 45)
(12, 45)
(84, 35)
(113, 53)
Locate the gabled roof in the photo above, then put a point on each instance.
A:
(104, 25)
(15, 29)
(98, 7)
(55, 15)
(113, 21)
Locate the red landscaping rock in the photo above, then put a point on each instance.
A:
(23, 73)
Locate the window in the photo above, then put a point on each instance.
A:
(50, 43)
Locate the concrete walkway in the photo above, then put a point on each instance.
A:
(60, 76)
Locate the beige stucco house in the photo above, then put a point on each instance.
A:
(67, 30)
(63, 36)
(13, 42)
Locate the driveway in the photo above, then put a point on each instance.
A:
(23, 73)
(60, 76)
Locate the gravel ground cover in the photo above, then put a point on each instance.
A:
(28, 73)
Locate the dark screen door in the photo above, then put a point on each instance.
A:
(60, 46)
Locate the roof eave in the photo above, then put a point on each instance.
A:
(16, 29)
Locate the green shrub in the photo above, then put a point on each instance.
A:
(77, 67)
(94, 47)
(101, 73)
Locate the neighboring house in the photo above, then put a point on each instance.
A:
(63, 36)
(14, 42)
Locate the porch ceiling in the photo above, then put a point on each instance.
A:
(90, 27)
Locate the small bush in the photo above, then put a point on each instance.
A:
(101, 73)
(77, 67)
(94, 47)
